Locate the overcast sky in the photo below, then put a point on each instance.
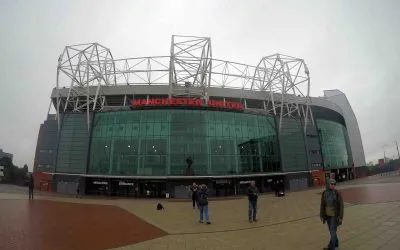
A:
(353, 46)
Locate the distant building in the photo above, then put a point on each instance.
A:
(4, 154)
(1, 172)
(339, 98)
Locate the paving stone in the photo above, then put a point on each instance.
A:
(291, 222)
(43, 224)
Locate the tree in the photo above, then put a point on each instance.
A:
(8, 168)
(19, 176)
(6, 161)
(13, 174)
(26, 169)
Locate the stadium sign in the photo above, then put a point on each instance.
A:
(123, 183)
(186, 101)
(100, 182)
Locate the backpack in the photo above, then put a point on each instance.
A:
(203, 199)
(160, 206)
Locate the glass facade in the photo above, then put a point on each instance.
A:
(334, 141)
(291, 139)
(158, 142)
(73, 144)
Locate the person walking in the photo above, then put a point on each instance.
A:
(331, 211)
(281, 191)
(77, 190)
(202, 203)
(31, 185)
(276, 187)
(194, 188)
(252, 194)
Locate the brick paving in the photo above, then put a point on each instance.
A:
(372, 194)
(291, 222)
(372, 227)
(43, 224)
(372, 221)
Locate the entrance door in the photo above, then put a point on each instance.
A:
(122, 187)
(224, 188)
(97, 186)
(114, 188)
(153, 189)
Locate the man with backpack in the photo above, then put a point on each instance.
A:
(202, 203)
(331, 211)
(252, 194)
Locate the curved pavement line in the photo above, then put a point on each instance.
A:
(250, 228)
(346, 186)
(247, 228)
(237, 229)
(273, 224)
(370, 203)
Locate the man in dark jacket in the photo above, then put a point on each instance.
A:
(194, 190)
(252, 194)
(331, 211)
(276, 187)
(31, 186)
(77, 190)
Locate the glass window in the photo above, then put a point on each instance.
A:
(144, 142)
(292, 145)
(118, 130)
(73, 145)
(334, 142)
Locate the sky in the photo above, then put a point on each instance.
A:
(350, 45)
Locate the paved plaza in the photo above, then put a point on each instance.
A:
(371, 221)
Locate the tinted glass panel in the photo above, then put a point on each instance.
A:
(334, 142)
(292, 145)
(73, 144)
(158, 142)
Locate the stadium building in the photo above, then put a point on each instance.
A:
(151, 126)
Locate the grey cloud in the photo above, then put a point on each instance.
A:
(348, 45)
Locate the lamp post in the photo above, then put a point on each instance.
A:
(384, 153)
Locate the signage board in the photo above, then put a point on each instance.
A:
(100, 182)
(123, 183)
(244, 182)
(186, 101)
(221, 181)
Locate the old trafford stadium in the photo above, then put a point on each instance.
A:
(151, 126)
